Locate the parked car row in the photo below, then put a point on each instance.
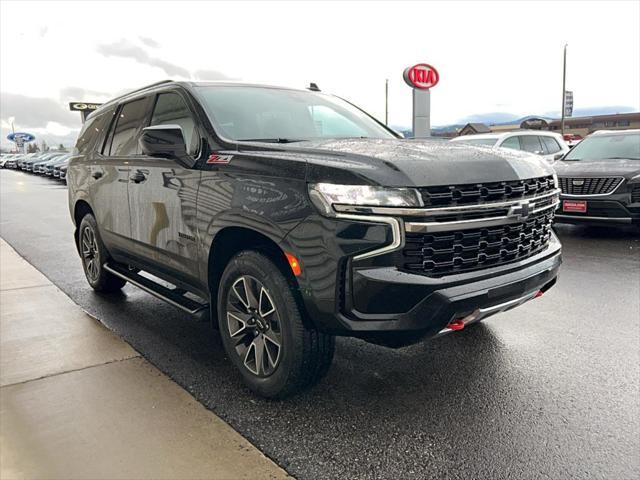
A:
(53, 164)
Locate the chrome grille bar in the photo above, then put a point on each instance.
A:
(445, 211)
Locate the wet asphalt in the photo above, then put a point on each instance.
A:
(549, 390)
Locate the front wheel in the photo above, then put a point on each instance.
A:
(262, 330)
(94, 254)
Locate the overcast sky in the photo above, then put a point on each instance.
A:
(492, 57)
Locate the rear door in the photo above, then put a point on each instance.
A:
(531, 143)
(106, 178)
(551, 147)
(162, 198)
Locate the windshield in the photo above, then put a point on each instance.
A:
(271, 114)
(480, 141)
(607, 147)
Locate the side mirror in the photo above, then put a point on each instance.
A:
(558, 156)
(165, 141)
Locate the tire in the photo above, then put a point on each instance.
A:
(93, 255)
(293, 357)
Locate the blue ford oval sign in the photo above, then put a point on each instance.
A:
(21, 137)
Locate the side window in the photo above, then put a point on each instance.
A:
(171, 109)
(551, 144)
(511, 142)
(128, 126)
(87, 135)
(531, 143)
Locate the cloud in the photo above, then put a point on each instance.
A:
(76, 94)
(36, 112)
(126, 49)
(149, 42)
(211, 75)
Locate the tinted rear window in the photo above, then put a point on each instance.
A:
(551, 144)
(92, 130)
(531, 143)
(128, 126)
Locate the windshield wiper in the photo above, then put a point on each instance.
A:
(271, 140)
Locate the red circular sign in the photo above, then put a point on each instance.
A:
(421, 76)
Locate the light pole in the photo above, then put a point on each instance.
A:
(564, 81)
(386, 102)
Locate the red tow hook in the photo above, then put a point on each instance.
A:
(456, 325)
(539, 294)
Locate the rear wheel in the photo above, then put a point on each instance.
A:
(262, 331)
(94, 255)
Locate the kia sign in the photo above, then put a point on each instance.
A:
(83, 106)
(421, 76)
(20, 137)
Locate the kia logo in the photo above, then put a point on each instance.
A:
(421, 76)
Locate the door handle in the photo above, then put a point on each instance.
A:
(138, 177)
(97, 174)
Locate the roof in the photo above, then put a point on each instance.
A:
(507, 134)
(615, 132)
(478, 127)
(163, 83)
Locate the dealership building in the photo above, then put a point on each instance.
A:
(581, 126)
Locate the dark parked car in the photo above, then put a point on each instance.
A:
(290, 216)
(37, 165)
(47, 167)
(62, 171)
(600, 179)
(24, 158)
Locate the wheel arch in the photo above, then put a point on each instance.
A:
(80, 209)
(231, 240)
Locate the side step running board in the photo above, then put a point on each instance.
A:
(173, 296)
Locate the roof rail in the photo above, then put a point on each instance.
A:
(148, 86)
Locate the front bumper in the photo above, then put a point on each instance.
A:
(376, 301)
(616, 208)
(446, 299)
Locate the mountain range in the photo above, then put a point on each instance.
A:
(505, 118)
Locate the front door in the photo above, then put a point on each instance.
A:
(162, 199)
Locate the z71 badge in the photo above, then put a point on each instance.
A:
(219, 159)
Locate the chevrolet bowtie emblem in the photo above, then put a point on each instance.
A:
(520, 210)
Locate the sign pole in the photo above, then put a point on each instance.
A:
(564, 94)
(421, 113)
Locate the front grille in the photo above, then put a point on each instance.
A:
(480, 193)
(444, 253)
(635, 194)
(589, 186)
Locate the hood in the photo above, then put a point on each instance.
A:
(598, 168)
(400, 162)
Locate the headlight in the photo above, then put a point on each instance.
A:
(325, 195)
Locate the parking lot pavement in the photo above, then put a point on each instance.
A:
(549, 390)
(76, 401)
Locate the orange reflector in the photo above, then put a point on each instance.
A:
(294, 264)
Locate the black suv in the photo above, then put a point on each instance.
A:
(290, 216)
(600, 179)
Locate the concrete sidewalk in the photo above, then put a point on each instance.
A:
(76, 401)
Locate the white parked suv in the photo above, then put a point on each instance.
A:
(548, 145)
